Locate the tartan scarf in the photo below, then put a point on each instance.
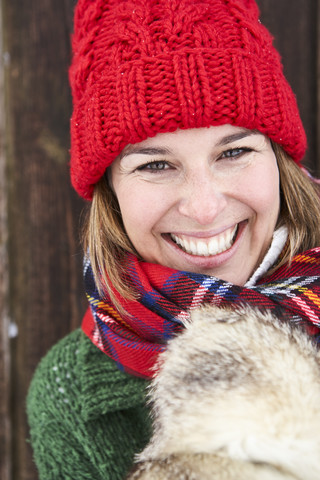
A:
(135, 339)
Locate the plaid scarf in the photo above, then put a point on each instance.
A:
(135, 339)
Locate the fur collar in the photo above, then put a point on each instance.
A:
(237, 397)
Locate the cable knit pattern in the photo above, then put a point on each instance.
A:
(141, 67)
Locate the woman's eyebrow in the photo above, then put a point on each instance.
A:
(146, 151)
(166, 151)
(234, 137)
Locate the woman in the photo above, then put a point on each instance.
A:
(187, 139)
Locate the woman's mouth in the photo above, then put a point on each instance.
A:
(205, 247)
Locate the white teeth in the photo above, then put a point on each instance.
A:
(213, 246)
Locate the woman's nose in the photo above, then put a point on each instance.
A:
(202, 198)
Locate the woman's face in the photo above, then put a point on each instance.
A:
(201, 200)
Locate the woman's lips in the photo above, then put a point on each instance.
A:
(205, 247)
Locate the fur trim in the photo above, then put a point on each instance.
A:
(238, 397)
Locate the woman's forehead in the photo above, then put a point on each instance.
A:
(219, 135)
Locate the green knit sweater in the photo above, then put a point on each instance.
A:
(87, 419)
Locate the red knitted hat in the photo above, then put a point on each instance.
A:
(141, 67)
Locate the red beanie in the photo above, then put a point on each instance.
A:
(141, 67)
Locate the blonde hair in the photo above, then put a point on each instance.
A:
(299, 206)
(106, 242)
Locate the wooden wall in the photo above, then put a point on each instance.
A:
(41, 293)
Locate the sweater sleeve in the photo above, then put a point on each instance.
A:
(80, 427)
(54, 416)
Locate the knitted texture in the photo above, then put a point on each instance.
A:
(166, 296)
(141, 67)
(87, 419)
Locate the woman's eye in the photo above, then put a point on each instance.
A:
(155, 166)
(235, 152)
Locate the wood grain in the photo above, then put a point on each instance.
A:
(46, 298)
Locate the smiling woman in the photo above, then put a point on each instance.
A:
(155, 162)
(201, 200)
(187, 140)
